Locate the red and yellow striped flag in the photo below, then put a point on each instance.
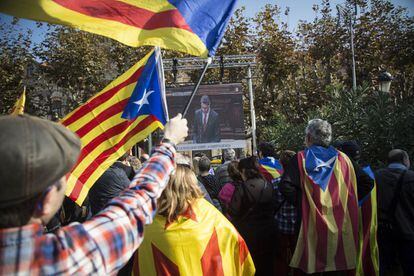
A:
(328, 237)
(195, 27)
(368, 256)
(200, 242)
(105, 135)
(18, 107)
(270, 168)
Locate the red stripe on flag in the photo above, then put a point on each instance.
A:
(103, 116)
(339, 215)
(303, 264)
(321, 229)
(243, 250)
(97, 101)
(127, 14)
(115, 130)
(367, 262)
(352, 203)
(266, 174)
(104, 155)
(163, 265)
(211, 261)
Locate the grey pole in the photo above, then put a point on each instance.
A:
(351, 29)
(187, 106)
(252, 111)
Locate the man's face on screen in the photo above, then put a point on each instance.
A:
(205, 107)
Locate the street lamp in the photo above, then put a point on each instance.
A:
(56, 100)
(384, 81)
(345, 13)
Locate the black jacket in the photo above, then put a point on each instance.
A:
(113, 181)
(403, 218)
(212, 131)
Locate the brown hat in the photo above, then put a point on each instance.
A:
(34, 154)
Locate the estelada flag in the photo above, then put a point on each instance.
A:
(200, 242)
(195, 27)
(328, 237)
(111, 122)
(270, 168)
(368, 254)
(18, 107)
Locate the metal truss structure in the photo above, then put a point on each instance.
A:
(194, 63)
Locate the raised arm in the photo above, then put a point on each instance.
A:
(111, 237)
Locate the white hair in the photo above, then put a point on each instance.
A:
(319, 132)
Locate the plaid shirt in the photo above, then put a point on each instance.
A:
(101, 245)
(286, 217)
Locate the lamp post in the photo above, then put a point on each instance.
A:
(384, 81)
(56, 100)
(345, 13)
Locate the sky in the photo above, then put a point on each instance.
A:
(299, 10)
(302, 9)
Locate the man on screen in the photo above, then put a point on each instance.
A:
(206, 128)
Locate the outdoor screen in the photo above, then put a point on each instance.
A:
(215, 117)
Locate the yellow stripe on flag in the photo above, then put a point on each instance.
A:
(169, 37)
(153, 5)
(104, 166)
(18, 107)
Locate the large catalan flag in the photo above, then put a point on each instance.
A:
(200, 242)
(270, 168)
(18, 107)
(328, 237)
(195, 27)
(368, 255)
(114, 120)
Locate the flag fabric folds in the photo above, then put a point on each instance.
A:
(270, 168)
(195, 27)
(328, 237)
(200, 242)
(368, 255)
(18, 107)
(105, 135)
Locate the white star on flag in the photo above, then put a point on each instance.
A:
(144, 100)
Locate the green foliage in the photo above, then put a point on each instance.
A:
(378, 121)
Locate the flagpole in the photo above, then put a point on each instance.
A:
(209, 60)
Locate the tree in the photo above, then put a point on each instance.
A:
(15, 58)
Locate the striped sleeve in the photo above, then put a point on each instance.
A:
(118, 230)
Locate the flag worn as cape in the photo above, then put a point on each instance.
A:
(328, 237)
(201, 242)
(368, 255)
(111, 122)
(270, 168)
(195, 27)
(18, 107)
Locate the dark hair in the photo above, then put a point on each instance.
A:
(204, 164)
(285, 157)
(397, 156)
(19, 214)
(250, 165)
(205, 100)
(234, 172)
(267, 149)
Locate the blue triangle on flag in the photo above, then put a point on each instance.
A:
(147, 97)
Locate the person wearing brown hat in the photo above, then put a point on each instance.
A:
(36, 156)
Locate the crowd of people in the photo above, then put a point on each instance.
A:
(321, 210)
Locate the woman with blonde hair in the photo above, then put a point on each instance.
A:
(189, 236)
